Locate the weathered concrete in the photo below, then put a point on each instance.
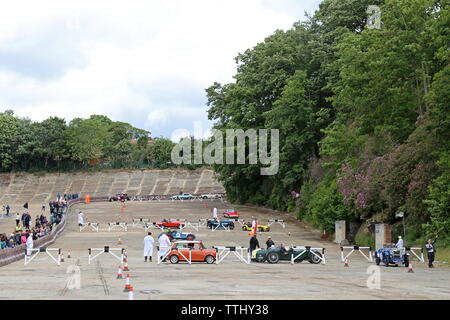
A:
(42, 279)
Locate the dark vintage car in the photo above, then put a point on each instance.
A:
(273, 255)
(220, 224)
(119, 197)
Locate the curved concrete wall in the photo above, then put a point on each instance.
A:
(37, 188)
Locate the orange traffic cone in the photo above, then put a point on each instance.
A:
(346, 262)
(119, 273)
(410, 268)
(119, 241)
(130, 294)
(206, 205)
(68, 255)
(62, 257)
(127, 284)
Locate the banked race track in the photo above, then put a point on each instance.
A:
(122, 228)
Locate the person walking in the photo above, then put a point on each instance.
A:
(148, 247)
(43, 206)
(431, 251)
(215, 213)
(7, 209)
(254, 243)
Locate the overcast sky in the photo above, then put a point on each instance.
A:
(143, 62)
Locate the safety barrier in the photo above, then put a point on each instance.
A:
(280, 222)
(117, 226)
(48, 251)
(106, 249)
(413, 251)
(93, 225)
(224, 251)
(352, 249)
(311, 250)
(141, 222)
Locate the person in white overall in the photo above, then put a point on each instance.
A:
(215, 213)
(164, 245)
(29, 244)
(80, 218)
(148, 247)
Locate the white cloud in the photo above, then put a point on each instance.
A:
(144, 62)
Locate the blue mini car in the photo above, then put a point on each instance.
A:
(391, 256)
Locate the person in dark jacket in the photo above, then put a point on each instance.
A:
(269, 242)
(254, 243)
(431, 251)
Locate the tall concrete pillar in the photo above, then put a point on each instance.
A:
(339, 231)
(383, 234)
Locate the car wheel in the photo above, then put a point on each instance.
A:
(260, 258)
(315, 258)
(244, 229)
(209, 259)
(273, 257)
(174, 259)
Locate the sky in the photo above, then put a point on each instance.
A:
(142, 62)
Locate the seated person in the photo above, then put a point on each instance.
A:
(283, 249)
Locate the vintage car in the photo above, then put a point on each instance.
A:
(389, 255)
(220, 224)
(273, 255)
(182, 196)
(261, 228)
(119, 197)
(176, 235)
(170, 224)
(195, 250)
(231, 213)
(210, 196)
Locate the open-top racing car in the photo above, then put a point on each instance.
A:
(231, 213)
(119, 197)
(273, 255)
(261, 228)
(220, 224)
(177, 235)
(389, 255)
(170, 224)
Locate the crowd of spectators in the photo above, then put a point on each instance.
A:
(41, 226)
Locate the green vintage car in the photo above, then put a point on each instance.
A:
(273, 255)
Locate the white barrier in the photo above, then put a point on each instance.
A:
(280, 222)
(193, 225)
(224, 251)
(164, 256)
(358, 249)
(106, 249)
(48, 251)
(222, 227)
(202, 222)
(311, 250)
(412, 250)
(117, 225)
(141, 222)
(93, 225)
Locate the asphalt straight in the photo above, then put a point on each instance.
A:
(231, 279)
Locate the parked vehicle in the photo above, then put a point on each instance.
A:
(182, 196)
(261, 228)
(170, 224)
(231, 213)
(274, 255)
(220, 224)
(389, 255)
(211, 196)
(182, 250)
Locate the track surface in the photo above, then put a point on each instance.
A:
(42, 279)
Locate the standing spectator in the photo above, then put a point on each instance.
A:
(254, 243)
(43, 206)
(7, 209)
(269, 243)
(26, 220)
(431, 251)
(215, 213)
(29, 243)
(17, 219)
(80, 218)
(148, 247)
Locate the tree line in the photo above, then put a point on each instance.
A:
(96, 142)
(363, 115)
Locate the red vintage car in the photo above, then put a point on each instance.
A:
(231, 213)
(170, 224)
(194, 251)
